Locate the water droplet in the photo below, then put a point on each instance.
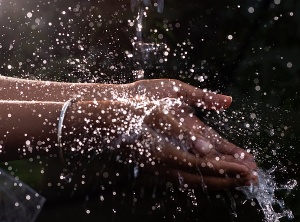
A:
(29, 14)
(251, 10)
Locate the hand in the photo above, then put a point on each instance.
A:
(162, 159)
(174, 137)
(155, 136)
(215, 145)
(212, 142)
(156, 130)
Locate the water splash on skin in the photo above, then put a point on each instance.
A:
(134, 127)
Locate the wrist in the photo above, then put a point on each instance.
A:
(89, 128)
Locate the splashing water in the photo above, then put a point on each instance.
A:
(264, 193)
(133, 128)
(148, 55)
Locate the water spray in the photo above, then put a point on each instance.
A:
(145, 54)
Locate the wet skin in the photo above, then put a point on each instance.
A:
(181, 144)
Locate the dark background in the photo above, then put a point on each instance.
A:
(247, 49)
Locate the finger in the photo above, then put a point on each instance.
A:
(225, 146)
(170, 88)
(222, 180)
(196, 127)
(219, 183)
(168, 152)
(177, 130)
(208, 166)
(202, 98)
(186, 179)
(167, 157)
(216, 141)
(228, 158)
(220, 147)
(209, 182)
(225, 157)
(238, 153)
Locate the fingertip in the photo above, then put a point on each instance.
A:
(227, 101)
(221, 102)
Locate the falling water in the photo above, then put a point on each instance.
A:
(145, 54)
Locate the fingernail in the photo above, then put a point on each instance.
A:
(203, 147)
(227, 101)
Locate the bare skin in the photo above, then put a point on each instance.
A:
(220, 163)
(32, 90)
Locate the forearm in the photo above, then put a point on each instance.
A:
(31, 90)
(29, 129)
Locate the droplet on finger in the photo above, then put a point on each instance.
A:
(242, 156)
(203, 147)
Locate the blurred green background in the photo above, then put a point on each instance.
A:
(247, 49)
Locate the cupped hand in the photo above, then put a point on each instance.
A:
(157, 136)
(157, 156)
(211, 142)
(157, 130)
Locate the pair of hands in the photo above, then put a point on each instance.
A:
(176, 145)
